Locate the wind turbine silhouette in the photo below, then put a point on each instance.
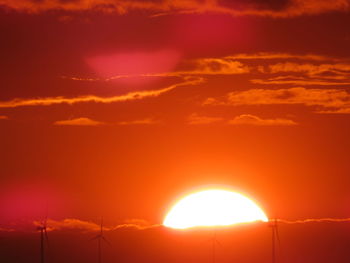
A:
(43, 238)
(215, 242)
(275, 236)
(100, 237)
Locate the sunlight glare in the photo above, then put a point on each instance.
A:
(213, 208)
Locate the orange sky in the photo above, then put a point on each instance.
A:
(117, 108)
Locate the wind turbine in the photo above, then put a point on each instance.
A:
(100, 237)
(215, 242)
(43, 238)
(275, 236)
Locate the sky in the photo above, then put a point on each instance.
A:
(118, 108)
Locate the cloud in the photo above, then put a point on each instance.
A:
(70, 224)
(217, 66)
(136, 95)
(345, 110)
(79, 122)
(306, 74)
(88, 226)
(202, 66)
(247, 119)
(331, 99)
(284, 8)
(90, 122)
(145, 121)
(309, 72)
(2, 229)
(195, 119)
(272, 8)
(280, 56)
(303, 81)
(313, 220)
(308, 68)
(243, 64)
(46, 101)
(138, 224)
(244, 119)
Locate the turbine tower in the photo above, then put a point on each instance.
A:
(100, 237)
(215, 242)
(44, 239)
(275, 237)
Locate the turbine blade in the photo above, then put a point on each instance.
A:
(94, 238)
(277, 235)
(46, 237)
(46, 214)
(105, 240)
(206, 241)
(219, 243)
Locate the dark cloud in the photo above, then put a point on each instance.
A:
(273, 8)
(255, 4)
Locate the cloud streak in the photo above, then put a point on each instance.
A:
(248, 119)
(137, 95)
(293, 80)
(3, 229)
(314, 220)
(195, 68)
(331, 99)
(243, 119)
(46, 101)
(311, 69)
(146, 121)
(281, 9)
(79, 122)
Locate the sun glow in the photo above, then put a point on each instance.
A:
(213, 208)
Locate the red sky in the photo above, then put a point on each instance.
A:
(117, 108)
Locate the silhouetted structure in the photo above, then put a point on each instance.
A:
(215, 242)
(99, 238)
(275, 237)
(43, 237)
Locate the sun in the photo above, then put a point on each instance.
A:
(213, 207)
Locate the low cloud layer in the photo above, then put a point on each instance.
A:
(89, 226)
(274, 8)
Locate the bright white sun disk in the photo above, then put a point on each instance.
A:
(213, 208)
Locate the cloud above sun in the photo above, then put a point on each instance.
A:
(47, 101)
(243, 119)
(248, 119)
(330, 100)
(79, 122)
(317, 82)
